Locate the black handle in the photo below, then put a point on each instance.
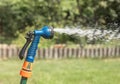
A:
(29, 38)
(22, 52)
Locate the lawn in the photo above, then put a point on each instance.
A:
(66, 71)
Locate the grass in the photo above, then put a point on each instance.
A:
(66, 71)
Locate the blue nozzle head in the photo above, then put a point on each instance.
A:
(46, 32)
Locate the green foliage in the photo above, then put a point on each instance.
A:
(18, 15)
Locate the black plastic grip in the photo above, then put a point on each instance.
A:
(29, 38)
(22, 52)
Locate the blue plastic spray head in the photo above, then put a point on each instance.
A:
(46, 32)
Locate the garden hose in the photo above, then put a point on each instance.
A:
(23, 80)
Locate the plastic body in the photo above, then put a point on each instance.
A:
(45, 32)
(32, 50)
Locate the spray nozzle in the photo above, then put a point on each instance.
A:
(46, 32)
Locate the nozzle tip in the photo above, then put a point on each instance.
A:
(52, 32)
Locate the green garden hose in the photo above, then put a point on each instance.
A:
(23, 80)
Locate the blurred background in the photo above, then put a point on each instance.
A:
(83, 62)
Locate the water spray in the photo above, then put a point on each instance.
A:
(26, 71)
(90, 33)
